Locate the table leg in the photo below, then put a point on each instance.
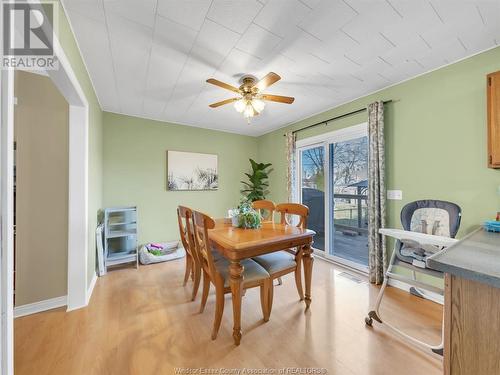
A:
(308, 260)
(236, 282)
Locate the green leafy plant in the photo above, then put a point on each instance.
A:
(247, 216)
(256, 187)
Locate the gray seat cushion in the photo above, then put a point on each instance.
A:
(252, 270)
(427, 216)
(276, 262)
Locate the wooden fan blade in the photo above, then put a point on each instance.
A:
(227, 101)
(278, 98)
(216, 82)
(267, 81)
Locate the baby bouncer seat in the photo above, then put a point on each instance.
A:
(434, 217)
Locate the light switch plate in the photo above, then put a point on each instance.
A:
(395, 194)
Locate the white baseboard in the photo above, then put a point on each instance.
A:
(36, 307)
(90, 289)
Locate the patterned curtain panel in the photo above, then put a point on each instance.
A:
(290, 172)
(377, 260)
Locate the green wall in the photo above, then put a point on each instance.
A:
(435, 148)
(135, 170)
(435, 140)
(70, 48)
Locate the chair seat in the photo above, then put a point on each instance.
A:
(402, 260)
(276, 262)
(252, 270)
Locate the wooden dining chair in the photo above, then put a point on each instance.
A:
(283, 262)
(217, 272)
(266, 209)
(193, 267)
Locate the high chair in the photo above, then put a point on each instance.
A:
(435, 217)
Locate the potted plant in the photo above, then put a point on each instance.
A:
(245, 216)
(256, 187)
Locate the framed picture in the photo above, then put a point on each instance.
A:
(192, 171)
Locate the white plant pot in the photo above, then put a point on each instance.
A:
(234, 221)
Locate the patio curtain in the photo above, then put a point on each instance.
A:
(377, 253)
(290, 172)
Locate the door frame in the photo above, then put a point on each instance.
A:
(77, 295)
(7, 220)
(325, 139)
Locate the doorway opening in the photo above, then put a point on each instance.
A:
(41, 154)
(78, 280)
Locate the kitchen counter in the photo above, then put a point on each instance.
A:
(471, 304)
(476, 257)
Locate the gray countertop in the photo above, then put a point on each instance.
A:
(476, 257)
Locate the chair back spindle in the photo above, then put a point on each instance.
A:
(202, 223)
(266, 210)
(184, 218)
(296, 210)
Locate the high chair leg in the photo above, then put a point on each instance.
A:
(374, 314)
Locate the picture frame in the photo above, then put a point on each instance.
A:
(192, 171)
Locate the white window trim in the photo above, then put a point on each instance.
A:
(335, 136)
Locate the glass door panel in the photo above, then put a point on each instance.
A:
(349, 187)
(312, 190)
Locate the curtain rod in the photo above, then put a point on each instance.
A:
(334, 118)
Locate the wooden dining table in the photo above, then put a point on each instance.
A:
(237, 244)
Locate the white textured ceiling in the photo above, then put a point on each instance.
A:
(150, 58)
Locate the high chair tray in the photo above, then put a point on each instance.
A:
(421, 238)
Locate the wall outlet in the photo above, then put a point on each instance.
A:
(395, 194)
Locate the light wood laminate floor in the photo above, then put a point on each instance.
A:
(141, 322)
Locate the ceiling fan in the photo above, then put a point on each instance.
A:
(250, 100)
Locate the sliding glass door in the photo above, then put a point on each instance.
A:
(312, 189)
(348, 187)
(333, 183)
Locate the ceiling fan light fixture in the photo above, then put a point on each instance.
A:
(251, 100)
(258, 105)
(240, 105)
(249, 111)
